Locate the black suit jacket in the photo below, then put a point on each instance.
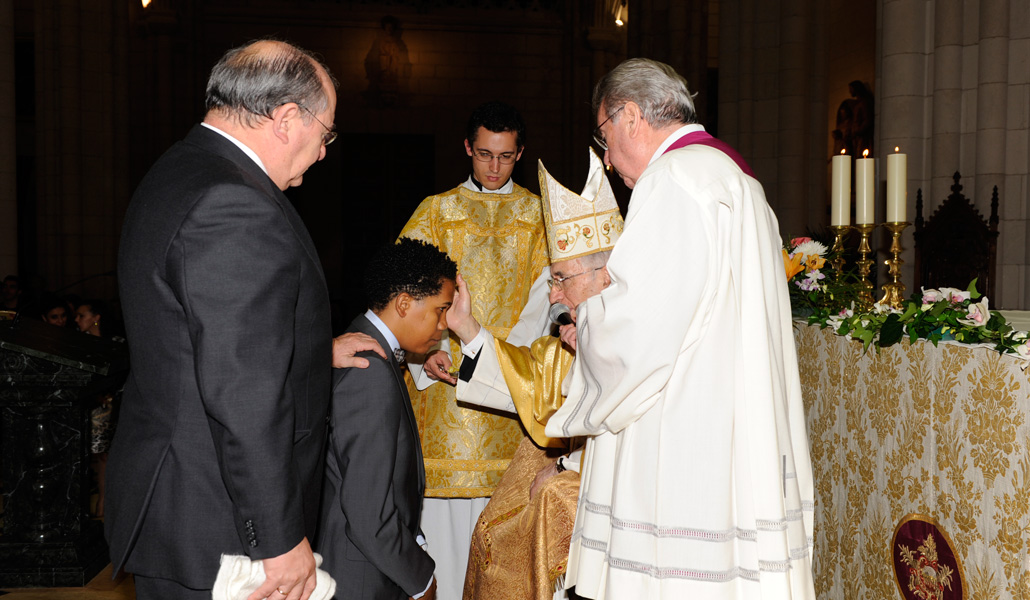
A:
(374, 482)
(220, 441)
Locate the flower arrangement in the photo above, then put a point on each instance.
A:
(933, 315)
(813, 284)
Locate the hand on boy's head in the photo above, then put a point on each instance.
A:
(459, 316)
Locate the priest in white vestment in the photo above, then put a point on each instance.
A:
(696, 479)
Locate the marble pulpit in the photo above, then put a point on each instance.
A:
(50, 378)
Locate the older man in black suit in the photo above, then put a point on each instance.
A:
(220, 444)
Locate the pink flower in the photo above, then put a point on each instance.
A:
(799, 240)
(978, 314)
(931, 296)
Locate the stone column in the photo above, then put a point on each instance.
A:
(81, 143)
(902, 68)
(946, 101)
(8, 173)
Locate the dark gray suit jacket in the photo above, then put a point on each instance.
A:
(374, 482)
(220, 441)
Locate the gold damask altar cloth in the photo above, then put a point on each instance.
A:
(939, 431)
(498, 242)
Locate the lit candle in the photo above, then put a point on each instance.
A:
(864, 190)
(897, 180)
(840, 190)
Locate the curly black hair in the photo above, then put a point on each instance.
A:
(411, 266)
(497, 117)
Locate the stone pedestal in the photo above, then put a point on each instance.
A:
(50, 378)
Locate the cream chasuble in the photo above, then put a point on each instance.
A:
(499, 245)
(697, 481)
(520, 545)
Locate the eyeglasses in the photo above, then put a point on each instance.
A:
(507, 158)
(598, 136)
(329, 136)
(558, 281)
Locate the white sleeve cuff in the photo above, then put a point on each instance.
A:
(472, 348)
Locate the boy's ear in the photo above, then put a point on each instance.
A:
(402, 303)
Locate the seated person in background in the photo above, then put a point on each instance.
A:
(54, 311)
(520, 544)
(89, 316)
(369, 531)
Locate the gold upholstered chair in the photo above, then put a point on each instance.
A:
(956, 244)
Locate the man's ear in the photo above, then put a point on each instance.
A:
(402, 304)
(632, 117)
(284, 119)
(519, 154)
(607, 277)
(468, 147)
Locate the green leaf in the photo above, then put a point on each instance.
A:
(891, 331)
(972, 289)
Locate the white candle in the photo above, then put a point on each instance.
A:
(840, 190)
(865, 206)
(897, 181)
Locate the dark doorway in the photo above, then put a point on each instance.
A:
(357, 199)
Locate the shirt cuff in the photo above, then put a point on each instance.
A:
(423, 592)
(472, 348)
(572, 461)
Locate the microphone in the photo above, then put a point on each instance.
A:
(560, 314)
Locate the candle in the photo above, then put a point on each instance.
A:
(840, 190)
(897, 180)
(865, 206)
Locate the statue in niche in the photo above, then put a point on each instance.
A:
(862, 117)
(843, 135)
(387, 66)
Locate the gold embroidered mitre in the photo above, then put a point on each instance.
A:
(579, 224)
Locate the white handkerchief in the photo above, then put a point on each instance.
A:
(239, 576)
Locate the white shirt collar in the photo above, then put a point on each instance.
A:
(507, 188)
(675, 135)
(239, 145)
(383, 329)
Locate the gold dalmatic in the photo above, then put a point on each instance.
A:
(498, 242)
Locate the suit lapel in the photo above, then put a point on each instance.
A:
(363, 325)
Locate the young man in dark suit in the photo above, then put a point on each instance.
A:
(372, 499)
(220, 440)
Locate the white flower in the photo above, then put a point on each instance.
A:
(978, 314)
(1024, 349)
(810, 248)
(955, 295)
(883, 309)
(930, 296)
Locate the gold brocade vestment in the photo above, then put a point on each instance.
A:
(498, 242)
(520, 546)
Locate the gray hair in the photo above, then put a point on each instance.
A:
(657, 88)
(595, 260)
(251, 81)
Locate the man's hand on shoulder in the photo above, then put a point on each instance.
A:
(349, 344)
(289, 576)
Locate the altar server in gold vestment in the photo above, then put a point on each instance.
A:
(697, 481)
(493, 228)
(520, 546)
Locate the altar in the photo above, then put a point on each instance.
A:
(939, 433)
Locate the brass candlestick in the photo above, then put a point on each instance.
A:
(839, 231)
(893, 291)
(865, 297)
